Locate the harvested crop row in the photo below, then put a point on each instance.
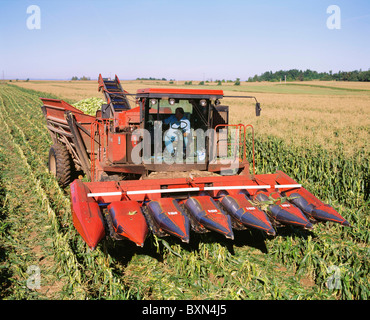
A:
(30, 184)
(61, 204)
(28, 112)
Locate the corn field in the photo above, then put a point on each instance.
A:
(36, 231)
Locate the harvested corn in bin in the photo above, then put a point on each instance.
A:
(89, 106)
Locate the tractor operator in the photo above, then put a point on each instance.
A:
(178, 124)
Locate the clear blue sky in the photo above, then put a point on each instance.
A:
(189, 40)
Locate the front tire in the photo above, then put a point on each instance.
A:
(61, 164)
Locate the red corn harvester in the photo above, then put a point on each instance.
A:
(170, 164)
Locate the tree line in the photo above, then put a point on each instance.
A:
(83, 78)
(151, 78)
(300, 75)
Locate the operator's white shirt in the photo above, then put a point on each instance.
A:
(183, 125)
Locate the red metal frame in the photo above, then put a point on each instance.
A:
(99, 125)
(182, 91)
(206, 211)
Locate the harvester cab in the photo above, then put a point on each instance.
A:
(181, 125)
(192, 119)
(169, 162)
(168, 130)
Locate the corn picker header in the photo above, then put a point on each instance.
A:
(170, 164)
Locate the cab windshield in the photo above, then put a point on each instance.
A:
(163, 106)
(166, 118)
(161, 109)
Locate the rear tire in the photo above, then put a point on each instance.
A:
(61, 164)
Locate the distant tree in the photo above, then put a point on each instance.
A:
(237, 82)
(364, 76)
(201, 83)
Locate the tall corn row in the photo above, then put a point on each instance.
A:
(343, 182)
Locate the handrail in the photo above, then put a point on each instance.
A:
(254, 165)
(243, 143)
(97, 126)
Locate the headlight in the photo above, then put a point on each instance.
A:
(172, 101)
